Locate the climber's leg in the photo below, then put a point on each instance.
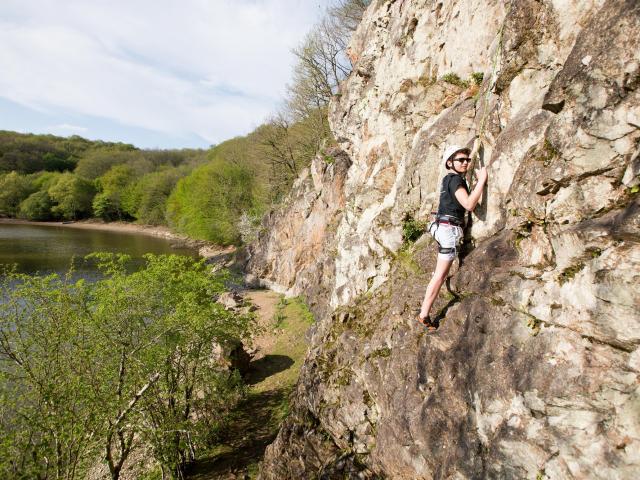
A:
(448, 237)
(443, 265)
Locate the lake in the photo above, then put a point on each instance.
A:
(47, 249)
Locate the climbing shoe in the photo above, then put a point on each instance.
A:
(427, 323)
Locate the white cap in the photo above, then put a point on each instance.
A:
(452, 149)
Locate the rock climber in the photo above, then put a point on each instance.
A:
(455, 201)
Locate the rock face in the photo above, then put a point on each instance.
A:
(535, 370)
(296, 251)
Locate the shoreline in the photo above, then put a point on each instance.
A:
(205, 249)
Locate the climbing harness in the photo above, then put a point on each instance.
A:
(444, 220)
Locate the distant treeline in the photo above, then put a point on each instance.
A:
(217, 194)
(212, 194)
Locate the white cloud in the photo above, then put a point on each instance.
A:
(195, 67)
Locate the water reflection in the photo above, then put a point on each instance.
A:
(47, 249)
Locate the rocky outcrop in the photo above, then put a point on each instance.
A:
(295, 253)
(535, 371)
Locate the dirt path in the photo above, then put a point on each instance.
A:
(274, 371)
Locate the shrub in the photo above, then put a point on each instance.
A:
(90, 370)
(454, 79)
(412, 229)
(208, 203)
(477, 78)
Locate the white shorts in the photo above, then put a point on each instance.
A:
(448, 236)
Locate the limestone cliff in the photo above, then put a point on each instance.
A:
(535, 370)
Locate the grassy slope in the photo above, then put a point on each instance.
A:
(273, 375)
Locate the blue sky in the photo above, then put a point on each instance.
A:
(155, 73)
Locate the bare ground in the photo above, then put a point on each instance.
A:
(274, 371)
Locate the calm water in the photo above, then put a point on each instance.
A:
(47, 249)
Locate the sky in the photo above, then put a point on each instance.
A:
(155, 73)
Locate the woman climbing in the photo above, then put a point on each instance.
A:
(455, 201)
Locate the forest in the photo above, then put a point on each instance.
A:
(218, 194)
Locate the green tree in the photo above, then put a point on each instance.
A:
(36, 206)
(209, 203)
(292, 137)
(146, 200)
(14, 188)
(107, 204)
(289, 146)
(29, 153)
(73, 196)
(97, 162)
(92, 369)
(47, 424)
(44, 180)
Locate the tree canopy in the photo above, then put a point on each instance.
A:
(209, 203)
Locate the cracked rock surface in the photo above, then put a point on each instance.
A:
(535, 370)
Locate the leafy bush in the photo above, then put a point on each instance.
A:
(454, 79)
(412, 229)
(90, 370)
(208, 203)
(477, 77)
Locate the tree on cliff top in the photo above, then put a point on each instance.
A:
(293, 136)
(322, 61)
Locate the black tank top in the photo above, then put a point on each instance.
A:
(449, 204)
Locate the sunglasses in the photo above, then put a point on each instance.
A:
(467, 160)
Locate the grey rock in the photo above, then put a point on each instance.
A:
(230, 300)
(535, 370)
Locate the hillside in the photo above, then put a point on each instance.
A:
(535, 370)
(30, 153)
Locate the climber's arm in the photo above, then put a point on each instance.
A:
(470, 200)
